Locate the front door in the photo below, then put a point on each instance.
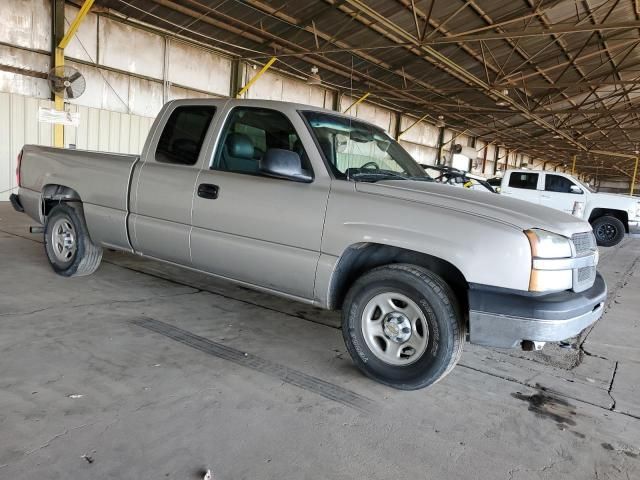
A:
(560, 193)
(253, 228)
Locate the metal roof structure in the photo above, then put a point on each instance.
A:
(550, 78)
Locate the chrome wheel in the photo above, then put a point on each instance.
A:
(395, 329)
(63, 240)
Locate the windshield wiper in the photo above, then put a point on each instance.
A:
(376, 175)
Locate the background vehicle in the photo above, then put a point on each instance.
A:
(610, 215)
(457, 178)
(324, 209)
(496, 183)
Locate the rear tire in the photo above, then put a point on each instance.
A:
(69, 248)
(608, 230)
(402, 326)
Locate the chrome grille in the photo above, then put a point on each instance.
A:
(584, 243)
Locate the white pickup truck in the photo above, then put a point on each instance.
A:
(325, 209)
(611, 216)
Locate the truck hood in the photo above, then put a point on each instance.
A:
(517, 213)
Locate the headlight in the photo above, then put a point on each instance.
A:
(547, 245)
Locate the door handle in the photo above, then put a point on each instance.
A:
(208, 190)
(545, 196)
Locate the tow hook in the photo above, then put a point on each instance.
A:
(530, 345)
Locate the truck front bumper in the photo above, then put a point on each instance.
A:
(634, 228)
(504, 319)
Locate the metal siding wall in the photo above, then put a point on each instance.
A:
(18, 125)
(26, 23)
(98, 130)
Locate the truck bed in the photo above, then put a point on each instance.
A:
(101, 180)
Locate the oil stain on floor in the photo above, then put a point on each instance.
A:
(547, 406)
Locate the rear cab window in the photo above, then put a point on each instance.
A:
(184, 134)
(524, 180)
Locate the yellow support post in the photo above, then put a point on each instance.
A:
(266, 67)
(58, 129)
(73, 28)
(361, 99)
(58, 61)
(633, 180)
(573, 165)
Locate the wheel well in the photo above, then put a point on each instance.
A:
(619, 214)
(52, 195)
(360, 258)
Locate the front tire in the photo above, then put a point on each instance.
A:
(608, 230)
(402, 326)
(69, 248)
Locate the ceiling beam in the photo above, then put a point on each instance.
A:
(533, 32)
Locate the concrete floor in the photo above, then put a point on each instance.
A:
(147, 371)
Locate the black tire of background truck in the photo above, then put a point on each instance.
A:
(440, 307)
(609, 230)
(87, 256)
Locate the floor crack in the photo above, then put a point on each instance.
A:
(48, 442)
(613, 377)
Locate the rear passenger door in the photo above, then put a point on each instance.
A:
(252, 228)
(522, 185)
(162, 188)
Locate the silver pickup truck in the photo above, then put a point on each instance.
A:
(328, 210)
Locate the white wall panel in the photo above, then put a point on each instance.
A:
(179, 92)
(145, 97)
(422, 133)
(130, 49)
(268, 86)
(272, 86)
(421, 153)
(197, 68)
(18, 125)
(26, 23)
(379, 116)
(103, 130)
(84, 44)
(23, 85)
(19, 58)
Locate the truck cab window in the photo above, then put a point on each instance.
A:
(247, 136)
(525, 180)
(184, 134)
(556, 183)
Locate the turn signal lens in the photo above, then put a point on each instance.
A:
(550, 280)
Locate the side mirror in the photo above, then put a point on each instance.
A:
(575, 189)
(285, 164)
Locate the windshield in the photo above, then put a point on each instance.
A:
(359, 151)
